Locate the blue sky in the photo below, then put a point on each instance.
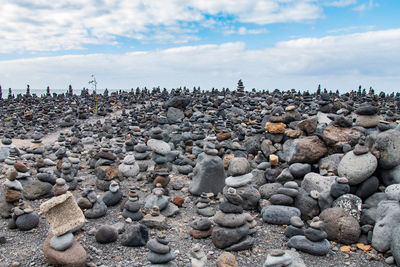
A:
(209, 43)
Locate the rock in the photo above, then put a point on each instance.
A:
(209, 175)
(197, 234)
(304, 150)
(314, 181)
(335, 136)
(157, 247)
(308, 125)
(393, 192)
(275, 128)
(36, 189)
(27, 221)
(357, 168)
(106, 234)
(159, 146)
(340, 226)
(281, 199)
(223, 237)
(246, 243)
(395, 244)
(315, 235)
(338, 189)
(63, 214)
(226, 259)
(351, 204)
(63, 242)
(135, 236)
(128, 171)
(20, 167)
(284, 176)
(298, 170)
(387, 143)
(230, 220)
(175, 115)
(171, 210)
(288, 258)
(301, 243)
(366, 109)
(75, 256)
(388, 216)
(391, 176)
(279, 214)
(307, 205)
(238, 181)
(267, 190)
(98, 210)
(238, 166)
(111, 198)
(368, 121)
(201, 224)
(368, 187)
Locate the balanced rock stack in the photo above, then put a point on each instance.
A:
(197, 256)
(367, 116)
(132, 206)
(142, 155)
(285, 195)
(233, 226)
(23, 218)
(13, 194)
(296, 227)
(160, 253)
(159, 147)
(113, 196)
(201, 228)
(104, 176)
(64, 217)
(68, 173)
(93, 205)
(128, 168)
(241, 179)
(203, 205)
(314, 240)
(208, 174)
(5, 148)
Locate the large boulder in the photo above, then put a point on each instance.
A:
(357, 168)
(335, 136)
(304, 150)
(388, 143)
(209, 175)
(340, 226)
(388, 217)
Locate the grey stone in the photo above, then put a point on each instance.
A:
(368, 187)
(357, 168)
(135, 236)
(338, 189)
(175, 115)
(388, 143)
(157, 247)
(279, 214)
(307, 205)
(223, 237)
(106, 234)
(63, 242)
(267, 190)
(284, 176)
(395, 244)
(238, 181)
(388, 216)
(289, 258)
(391, 176)
(36, 189)
(201, 224)
(159, 146)
(314, 248)
(153, 200)
(314, 181)
(238, 166)
(298, 170)
(246, 243)
(230, 220)
(315, 235)
(281, 199)
(27, 221)
(156, 258)
(292, 231)
(393, 192)
(209, 175)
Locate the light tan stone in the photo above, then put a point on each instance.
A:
(63, 214)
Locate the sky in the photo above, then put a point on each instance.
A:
(269, 44)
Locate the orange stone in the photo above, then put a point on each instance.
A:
(273, 160)
(223, 136)
(178, 201)
(275, 128)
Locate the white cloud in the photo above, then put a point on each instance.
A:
(366, 6)
(245, 31)
(337, 62)
(341, 3)
(46, 25)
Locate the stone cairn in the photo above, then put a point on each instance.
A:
(132, 206)
(13, 194)
(160, 253)
(201, 228)
(203, 205)
(93, 206)
(208, 174)
(23, 218)
(113, 196)
(314, 240)
(128, 169)
(142, 155)
(197, 256)
(233, 226)
(64, 217)
(242, 181)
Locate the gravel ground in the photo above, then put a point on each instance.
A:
(25, 248)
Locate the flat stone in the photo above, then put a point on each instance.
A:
(279, 214)
(230, 220)
(238, 181)
(301, 243)
(75, 256)
(63, 242)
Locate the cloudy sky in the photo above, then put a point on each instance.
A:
(208, 43)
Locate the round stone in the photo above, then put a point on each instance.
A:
(393, 192)
(296, 221)
(63, 242)
(357, 168)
